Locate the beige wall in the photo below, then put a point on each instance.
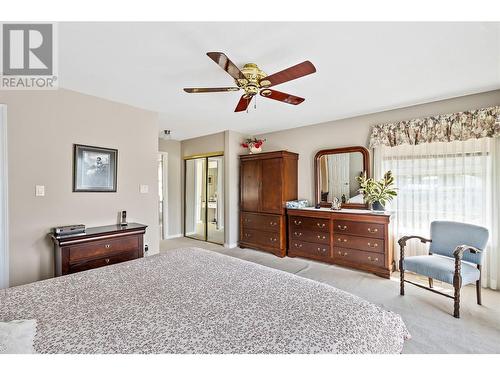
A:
(232, 150)
(355, 131)
(42, 128)
(203, 145)
(173, 149)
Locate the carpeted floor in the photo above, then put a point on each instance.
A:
(427, 315)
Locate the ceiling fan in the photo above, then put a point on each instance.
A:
(254, 81)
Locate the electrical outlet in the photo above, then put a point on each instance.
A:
(39, 190)
(144, 189)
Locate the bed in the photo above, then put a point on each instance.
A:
(197, 301)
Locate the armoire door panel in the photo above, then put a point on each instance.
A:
(271, 192)
(250, 185)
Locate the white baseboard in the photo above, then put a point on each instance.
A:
(230, 245)
(172, 236)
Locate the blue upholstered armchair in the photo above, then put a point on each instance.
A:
(455, 257)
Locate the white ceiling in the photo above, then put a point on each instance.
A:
(361, 68)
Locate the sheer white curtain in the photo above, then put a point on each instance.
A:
(457, 181)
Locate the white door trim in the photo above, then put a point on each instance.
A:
(165, 194)
(4, 201)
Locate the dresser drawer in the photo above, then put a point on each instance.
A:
(100, 262)
(309, 250)
(102, 248)
(358, 256)
(263, 222)
(297, 223)
(310, 236)
(358, 228)
(256, 237)
(360, 243)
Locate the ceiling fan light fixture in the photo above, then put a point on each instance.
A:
(265, 83)
(252, 80)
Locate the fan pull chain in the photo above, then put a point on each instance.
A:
(255, 103)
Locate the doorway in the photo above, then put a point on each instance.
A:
(204, 198)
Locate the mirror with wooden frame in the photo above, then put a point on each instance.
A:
(335, 175)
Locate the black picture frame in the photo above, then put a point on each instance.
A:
(94, 169)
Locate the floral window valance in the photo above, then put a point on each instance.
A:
(460, 126)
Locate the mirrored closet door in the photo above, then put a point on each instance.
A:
(204, 198)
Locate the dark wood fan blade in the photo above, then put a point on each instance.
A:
(243, 104)
(294, 72)
(281, 96)
(226, 64)
(211, 89)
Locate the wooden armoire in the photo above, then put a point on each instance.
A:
(267, 181)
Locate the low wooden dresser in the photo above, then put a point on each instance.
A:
(97, 247)
(353, 238)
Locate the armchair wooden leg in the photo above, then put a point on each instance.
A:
(431, 284)
(478, 291)
(478, 286)
(456, 311)
(401, 281)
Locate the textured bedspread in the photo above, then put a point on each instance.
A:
(196, 301)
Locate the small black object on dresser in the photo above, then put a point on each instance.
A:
(97, 247)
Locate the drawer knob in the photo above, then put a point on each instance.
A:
(107, 246)
(372, 245)
(106, 260)
(321, 250)
(273, 223)
(342, 227)
(297, 222)
(342, 239)
(374, 230)
(373, 259)
(273, 239)
(321, 225)
(298, 234)
(320, 237)
(247, 220)
(299, 245)
(247, 235)
(343, 255)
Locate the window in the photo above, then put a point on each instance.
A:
(441, 181)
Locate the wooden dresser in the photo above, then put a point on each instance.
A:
(97, 247)
(358, 239)
(267, 181)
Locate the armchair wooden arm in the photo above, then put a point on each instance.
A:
(402, 244)
(460, 250)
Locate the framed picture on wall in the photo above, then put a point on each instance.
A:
(94, 169)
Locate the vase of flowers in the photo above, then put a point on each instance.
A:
(253, 145)
(378, 193)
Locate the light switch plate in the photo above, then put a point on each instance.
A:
(40, 190)
(144, 189)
